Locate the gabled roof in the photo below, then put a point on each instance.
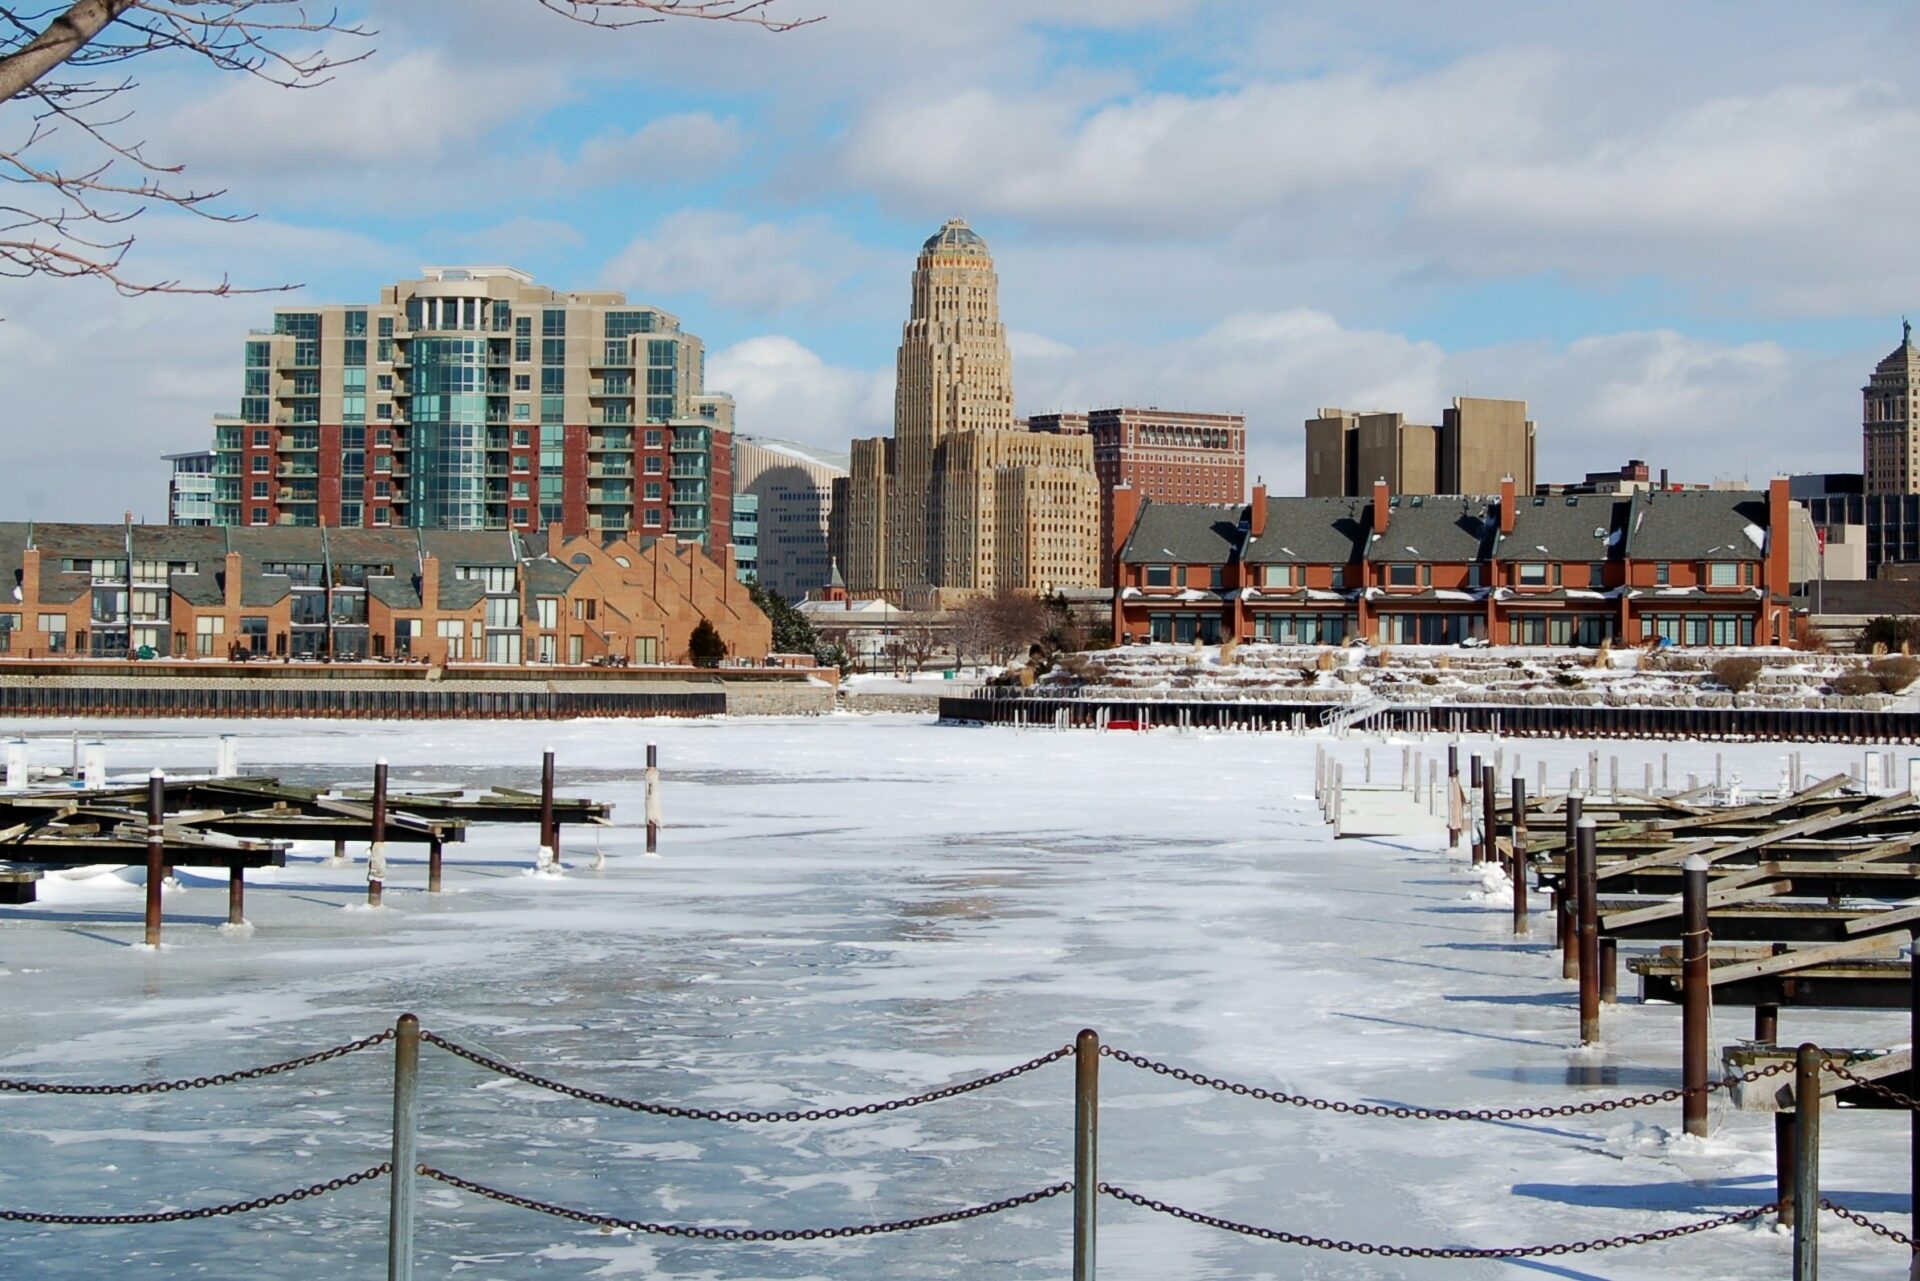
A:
(288, 544)
(469, 547)
(1184, 534)
(1443, 528)
(1310, 530)
(545, 576)
(1698, 524)
(1566, 528)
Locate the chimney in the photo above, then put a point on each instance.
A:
(1507, 505)
(1257, 515)
(1126, 510)
(1663, 478)
(1379, 507)
(555, 537)
(1777, 570)
(231, 595)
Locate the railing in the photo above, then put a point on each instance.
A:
(404, 1166)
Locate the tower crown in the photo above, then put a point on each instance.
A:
(955, 236)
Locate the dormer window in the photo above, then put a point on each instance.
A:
(1723, 573)
(1403, 575)
(1532, 574)
(1284, 576)
(1159, 576)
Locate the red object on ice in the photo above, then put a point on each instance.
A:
(1123, 724)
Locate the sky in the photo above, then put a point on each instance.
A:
(1681, 233)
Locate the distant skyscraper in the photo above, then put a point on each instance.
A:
(473, 398)
(959, 501)
(793, 484)
(1890, 421)
(190, 488)
(1479, 443)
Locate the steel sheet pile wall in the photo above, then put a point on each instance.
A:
(343, 701)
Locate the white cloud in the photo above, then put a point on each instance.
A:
(759, 268)
(687, 146)
(782, 388)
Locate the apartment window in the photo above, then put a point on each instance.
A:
(547, 612)
(654, 440)
(382, 516)
(522, 437)
(553, 351)
(263, 439)
(454, 633)
(385, 413)
(1597, 574)
(653, 493)
(503, 611)
(1532, 574)
(206, 634)
(1159, 576)
(653, 515)
(653, 467)
(1403, 575)
(522, 411)
(520, 489)
(1662, 573)
(1723, 573)
(262, 490)
(520, 465)
(259, 515)
(262, 464)
(583, 610)
(1283, 576)
(384, 382)
(523, 382)
(53, 633)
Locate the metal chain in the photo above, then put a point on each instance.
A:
(506, 1069)
(200, 1082)
(1874, 1087)
(1437, 1252)
(205, 1211)
(742, 1234)
(1433, 1114)
(1878, 1229)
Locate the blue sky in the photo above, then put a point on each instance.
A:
(1682, 233)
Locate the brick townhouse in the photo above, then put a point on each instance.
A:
(1696, 567)
(486, 596)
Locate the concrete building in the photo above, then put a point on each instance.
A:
(474, 398)
(1479, 443)
(1696, 568)
(1167, 455)
(746, 536)
(1890, 421)
(959, 501)
(794, 485)
(441, 596)
(190, 487)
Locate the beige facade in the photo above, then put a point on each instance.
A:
(794, 484)
(1890, 421)
(961, 501)
(1479, 443)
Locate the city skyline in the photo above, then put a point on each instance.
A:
(1226, 207)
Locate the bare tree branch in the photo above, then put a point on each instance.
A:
(62, 213)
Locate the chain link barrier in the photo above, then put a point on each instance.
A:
(1872, 1087)
(204, 1211)
(1878, 1229)
(1432, 1114)
(503, 1068)
(742, 1234)
(1433, 1251)
(200, 1082)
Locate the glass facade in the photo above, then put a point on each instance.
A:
(446, 487)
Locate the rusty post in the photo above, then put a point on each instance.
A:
(1520, 856)
(653, 798)
(1589, 936)
(549, 825)
(1086, 1150)
(236, 894)
(1696, 995)
(1489, 815)
(1766, 1024)
(1569, 896)
(377, 848)
(1806, 1163)
(1609, 970)
(1453, 780)
(1473, 781)
(1783, 1141)
(156, 851)
(435, 851)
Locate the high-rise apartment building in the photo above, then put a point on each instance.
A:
(793, 484)
(960, 501)
(474, 398)
(190, 487)
(1890, 421)
(1479, 443)
(1167, 455)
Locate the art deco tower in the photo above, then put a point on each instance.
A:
(1890, 421)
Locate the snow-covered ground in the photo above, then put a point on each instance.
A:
(853, 908)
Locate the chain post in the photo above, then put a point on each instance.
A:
(1453, 780)
(1696, 995)
(1567, 936)
(1806, 1164)
(406, 1117)
(1490, 815)
(1086, 1150)
(156, 851)
(377, 847)
(548, 839)
(1589, 933)
(1519, 863)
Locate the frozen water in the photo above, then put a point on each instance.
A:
(850, 909)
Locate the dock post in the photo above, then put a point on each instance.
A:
(1646, 778)
(435, 849)
(1569, 896)
(1613, 776)
(1519, 863)
(1540, 771)
(1473, 782)
(1593, 771)
(1783, 1141)
(653, 798)
(1609, 970)
(236, 894)
(1766, 1024)
(406, 1116)
(1806, 1164)
(156, 851)
(1664, 784)
(1490, 814)
(1433, 785)
(1589, 936)
(549, 825)
(1453, 777)
(1719, 772)
(1696, 996)
(1086, 1150)
(377, 848)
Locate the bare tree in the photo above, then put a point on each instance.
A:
(999, 627)
(919, 642)
(77, 170)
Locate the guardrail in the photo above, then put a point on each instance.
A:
(1086, 1186)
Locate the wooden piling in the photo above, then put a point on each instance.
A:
(1696, 996)
(435, 849)
(549, 825)
(1589, 935)
(1568, 898)
(377, 850)
(1519, 862)
(236, 895)
(1489, 815)
(156, 852)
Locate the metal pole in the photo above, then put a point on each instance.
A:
(1473, 782)
(1453, 777)
(1490, 813)
(1569, 896)
(549, 829)
(1806, 1164)
(236, 895)
(435, 854)
(377, 849)
(406, 1116)
(156, 851)
(1589, 936)
(1086, 1150)
(1519, 856)
(1696, 995)
(653, 798)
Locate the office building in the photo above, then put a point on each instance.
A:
(959, 501)
(793, 484)
(474, 398)
(1890, 421)
(1479, 443)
